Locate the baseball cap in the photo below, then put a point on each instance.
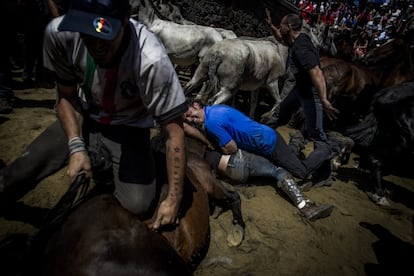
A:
(99, 18)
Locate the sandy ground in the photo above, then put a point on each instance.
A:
(359, 238)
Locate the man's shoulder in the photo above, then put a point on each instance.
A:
(148, 43)
(303, 45)
(52, 28)
(302, 39)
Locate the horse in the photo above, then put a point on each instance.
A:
(185, 44)
(243, 63)
(171, 12)
(386, 134)
(247, 64)
(97, 236)
(393, 60)
(322, 38)
(348, 84)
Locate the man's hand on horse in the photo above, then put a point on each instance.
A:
(79, 162)
(330, 111)
(166, 213)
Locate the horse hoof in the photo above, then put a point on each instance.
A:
(217, 212)
(236, 236)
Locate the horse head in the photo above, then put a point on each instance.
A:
(325, 39)
(322, 38)
(144, 11)
(390, 52)
(171, 12)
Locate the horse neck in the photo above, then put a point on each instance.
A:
(283, 51)
(195, 146)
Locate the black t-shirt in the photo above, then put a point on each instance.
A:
(303, 56)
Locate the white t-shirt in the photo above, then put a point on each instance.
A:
(147, 85)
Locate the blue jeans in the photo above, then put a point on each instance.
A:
(243, 165)
(313, 110)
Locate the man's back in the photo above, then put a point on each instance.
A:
(224, 123)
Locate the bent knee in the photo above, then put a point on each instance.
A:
(138, 199)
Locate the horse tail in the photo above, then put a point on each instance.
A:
(363, 133)
(215, 61)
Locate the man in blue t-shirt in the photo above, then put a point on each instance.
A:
(230, 130)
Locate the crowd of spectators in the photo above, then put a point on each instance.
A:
(370, 24)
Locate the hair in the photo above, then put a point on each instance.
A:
(191, 101)
(294, 20)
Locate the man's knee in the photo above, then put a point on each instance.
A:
(138, 199)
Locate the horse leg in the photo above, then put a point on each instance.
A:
(376, 168)
(204, 92)
(223, 96)
(228, 199)
(273, 88)
(200, 75)
(199, 169)
(254, 96)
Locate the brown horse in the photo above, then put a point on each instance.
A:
(100, 237)
(349, 87)
(393, 60)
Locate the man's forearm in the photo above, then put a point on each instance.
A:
(318, 81)
(69, 118)
(176, 162)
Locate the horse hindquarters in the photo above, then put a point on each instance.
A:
(102, 238)
(191, 238)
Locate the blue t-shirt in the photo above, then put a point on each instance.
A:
(224, 123)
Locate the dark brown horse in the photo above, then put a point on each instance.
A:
(386, 135)
(393, 60)
(350, 88)
(100, 237)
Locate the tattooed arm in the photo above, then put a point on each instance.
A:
(176, 163)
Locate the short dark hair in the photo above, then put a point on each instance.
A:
(191, 101)
(294, 20)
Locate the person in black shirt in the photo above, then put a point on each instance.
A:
(310, 89)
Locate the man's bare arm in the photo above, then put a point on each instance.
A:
(176, 165)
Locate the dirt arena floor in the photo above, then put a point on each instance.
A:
(359, 238)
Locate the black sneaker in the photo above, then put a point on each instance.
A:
(313, 211)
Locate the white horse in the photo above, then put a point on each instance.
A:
(185, 44)
(173, 13)
(245, 64)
